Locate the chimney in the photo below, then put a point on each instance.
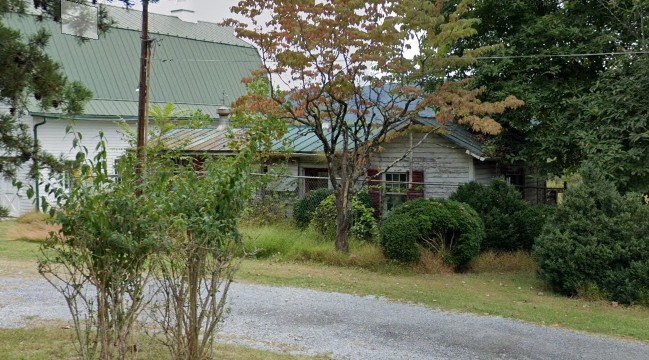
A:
(224, 117)
(184, 10)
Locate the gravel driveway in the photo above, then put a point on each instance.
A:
(353, 327)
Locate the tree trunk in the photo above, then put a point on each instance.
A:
(193, 279)
(343, 215)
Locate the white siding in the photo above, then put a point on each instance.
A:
(445, 164)
(54, 140)
(283, 177)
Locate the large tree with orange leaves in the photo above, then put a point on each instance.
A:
(346, 76)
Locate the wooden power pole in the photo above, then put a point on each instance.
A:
(143, 101)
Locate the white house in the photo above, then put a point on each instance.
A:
(196, 66)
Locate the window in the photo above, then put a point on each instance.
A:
(396, 189)
(315, 178)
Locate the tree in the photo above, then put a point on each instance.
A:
(542, 63)
(27, 72)
(618, 143)
(349, 81)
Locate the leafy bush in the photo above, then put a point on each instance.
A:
(363, 225)
(267, 209)
(364, 197)
(4, 212)
(304, 208)
(450, 228)
(597, 243)
(511, 223)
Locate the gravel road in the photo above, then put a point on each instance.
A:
(352, 327)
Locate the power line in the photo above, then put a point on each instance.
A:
(491, 57)
(558, 55)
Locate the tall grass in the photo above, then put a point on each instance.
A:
(505, 262)
(286, 243)
(32, 227)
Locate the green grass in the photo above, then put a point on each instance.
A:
(46, 343)
(16, 250)
(286, 243)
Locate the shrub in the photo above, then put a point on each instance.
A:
(597, 243)
(4, 212)
(399, 236)
(450, 228)
(304, 208)
(363, 225)
(511, 224)
(267, 209)
(364, 197)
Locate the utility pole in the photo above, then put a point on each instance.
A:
(143, 102)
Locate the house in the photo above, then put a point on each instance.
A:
(195, 66)
(434, 169)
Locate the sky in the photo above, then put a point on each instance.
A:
(205, 10)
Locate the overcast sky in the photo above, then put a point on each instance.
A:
(205, 10)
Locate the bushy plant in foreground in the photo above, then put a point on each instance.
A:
(597, 243)
(451, 228)
(363, 224)
(304, 208)
(511, 223)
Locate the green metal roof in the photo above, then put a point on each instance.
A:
(197, 66)
(456, 134)
(302, 141)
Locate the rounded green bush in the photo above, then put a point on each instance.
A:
(511, 223)
(363, 224)
(451, 228)
(304, 208)
(597, 243)
(399, 234)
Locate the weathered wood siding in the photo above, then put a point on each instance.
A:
(445, 164)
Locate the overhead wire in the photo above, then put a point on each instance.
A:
(490, 57)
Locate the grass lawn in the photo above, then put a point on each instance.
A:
(56, 342)
(292, 260)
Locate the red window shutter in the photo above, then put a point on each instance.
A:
(374, 190)
(416, 190)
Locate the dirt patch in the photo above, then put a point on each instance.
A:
(22, 269)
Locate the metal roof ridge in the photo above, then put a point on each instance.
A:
(153, 15)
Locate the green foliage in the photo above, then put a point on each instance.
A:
(364, 198)
(167, 222)
(597, 243)
(287, 243)
(399, 235)
(304, 208)
(4, 212)
(619, 144)
(511, 223)
(363, 225)
(546, 132)
(267, 209)
(450, 228)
